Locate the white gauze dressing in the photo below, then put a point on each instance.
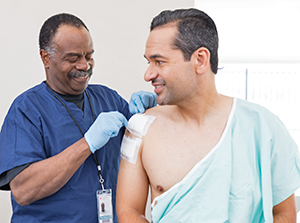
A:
(138, 125)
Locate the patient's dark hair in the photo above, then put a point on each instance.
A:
(51, 25)
(195, 29)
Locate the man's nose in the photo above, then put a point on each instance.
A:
(83, 64)
(150, 74)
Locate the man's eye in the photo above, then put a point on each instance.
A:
(73, 59)
(88, 58)
(159, 62)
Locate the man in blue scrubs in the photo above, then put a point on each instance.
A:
(58, 134)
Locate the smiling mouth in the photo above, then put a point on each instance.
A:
(81, 74)
(157, 88)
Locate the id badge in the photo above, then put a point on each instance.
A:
(104, 205)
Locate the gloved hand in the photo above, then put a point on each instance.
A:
(141, 100)
(106, 126)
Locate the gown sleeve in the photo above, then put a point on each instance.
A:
(285, 164)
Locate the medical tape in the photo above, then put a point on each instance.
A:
(139, 124)
(130, 148)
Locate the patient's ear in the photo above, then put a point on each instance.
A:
(201, 60)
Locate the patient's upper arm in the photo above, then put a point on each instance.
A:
(132, 186)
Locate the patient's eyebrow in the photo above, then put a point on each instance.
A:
(154, 56)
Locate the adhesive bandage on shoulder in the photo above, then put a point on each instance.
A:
(138, 125)
(130, 148)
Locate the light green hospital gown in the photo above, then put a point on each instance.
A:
(254, 166)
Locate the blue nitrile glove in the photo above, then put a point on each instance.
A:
(141, 100)
(106, 125)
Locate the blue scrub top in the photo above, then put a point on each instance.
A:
(37, 127)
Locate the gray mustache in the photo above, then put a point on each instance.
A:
(79, 74)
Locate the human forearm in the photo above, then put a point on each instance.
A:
(131, 216)
(285, 212)
(44, 178)
(131, 209)
(284, 219)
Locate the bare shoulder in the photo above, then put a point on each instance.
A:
(164, 117)
(160, 111)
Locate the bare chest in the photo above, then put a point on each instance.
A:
(169, 154)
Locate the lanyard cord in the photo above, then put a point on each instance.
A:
(96, 159)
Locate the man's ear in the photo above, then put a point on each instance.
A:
(45, 56)
(201, 60)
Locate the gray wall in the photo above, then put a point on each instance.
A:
(119, 30)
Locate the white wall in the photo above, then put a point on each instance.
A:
(256, 31)
(119, 30)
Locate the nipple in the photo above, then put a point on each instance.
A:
(159, 188)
